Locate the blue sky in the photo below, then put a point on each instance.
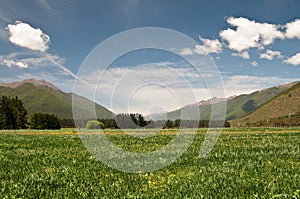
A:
(254, 44)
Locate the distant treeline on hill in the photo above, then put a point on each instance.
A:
(135, 121)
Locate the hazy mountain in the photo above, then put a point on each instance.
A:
(237, 106)
(42, 96)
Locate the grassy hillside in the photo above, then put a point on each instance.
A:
(284, 108)
(42, 98)
(245, 104)
(237, 107)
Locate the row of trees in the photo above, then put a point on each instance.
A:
(44, 121)
(136, 121)
(13, 115)
(130, 121)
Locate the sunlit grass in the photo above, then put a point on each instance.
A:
(261, 164)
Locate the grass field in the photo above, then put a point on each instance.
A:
(245, 163)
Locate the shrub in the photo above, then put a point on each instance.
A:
(94, 124)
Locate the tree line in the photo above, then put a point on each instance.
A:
(136, 121)
(13, 115)
(44, 121)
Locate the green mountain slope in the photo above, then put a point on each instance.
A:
(245, 104)
(281, 110)
(237, 107)
(41, 96)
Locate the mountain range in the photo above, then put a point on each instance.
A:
(265, 105)
(237, 106)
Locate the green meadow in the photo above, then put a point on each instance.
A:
(245, 163)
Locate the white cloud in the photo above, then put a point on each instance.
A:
(293, 29)
(244, 84)
(249, 34)
(254, 64)
(23, 60)
(243, 54)
(270, 55)
(22, 34)
(208, 46)
(37, 60)
(294, 60)
(10, 63)
(186, 51)
(10, 60)
(139, 88)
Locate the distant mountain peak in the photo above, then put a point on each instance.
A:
(31, 81)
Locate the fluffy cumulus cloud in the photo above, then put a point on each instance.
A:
(294, 60)
(24, 35)
(249, 34)
(270, 55)
(243, 54)
(293, 29)
(208, 46)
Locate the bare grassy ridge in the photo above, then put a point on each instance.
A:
(283, 106)
(243, 164)
(237, 106)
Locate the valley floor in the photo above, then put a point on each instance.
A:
(244, 163)
(74, 131)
